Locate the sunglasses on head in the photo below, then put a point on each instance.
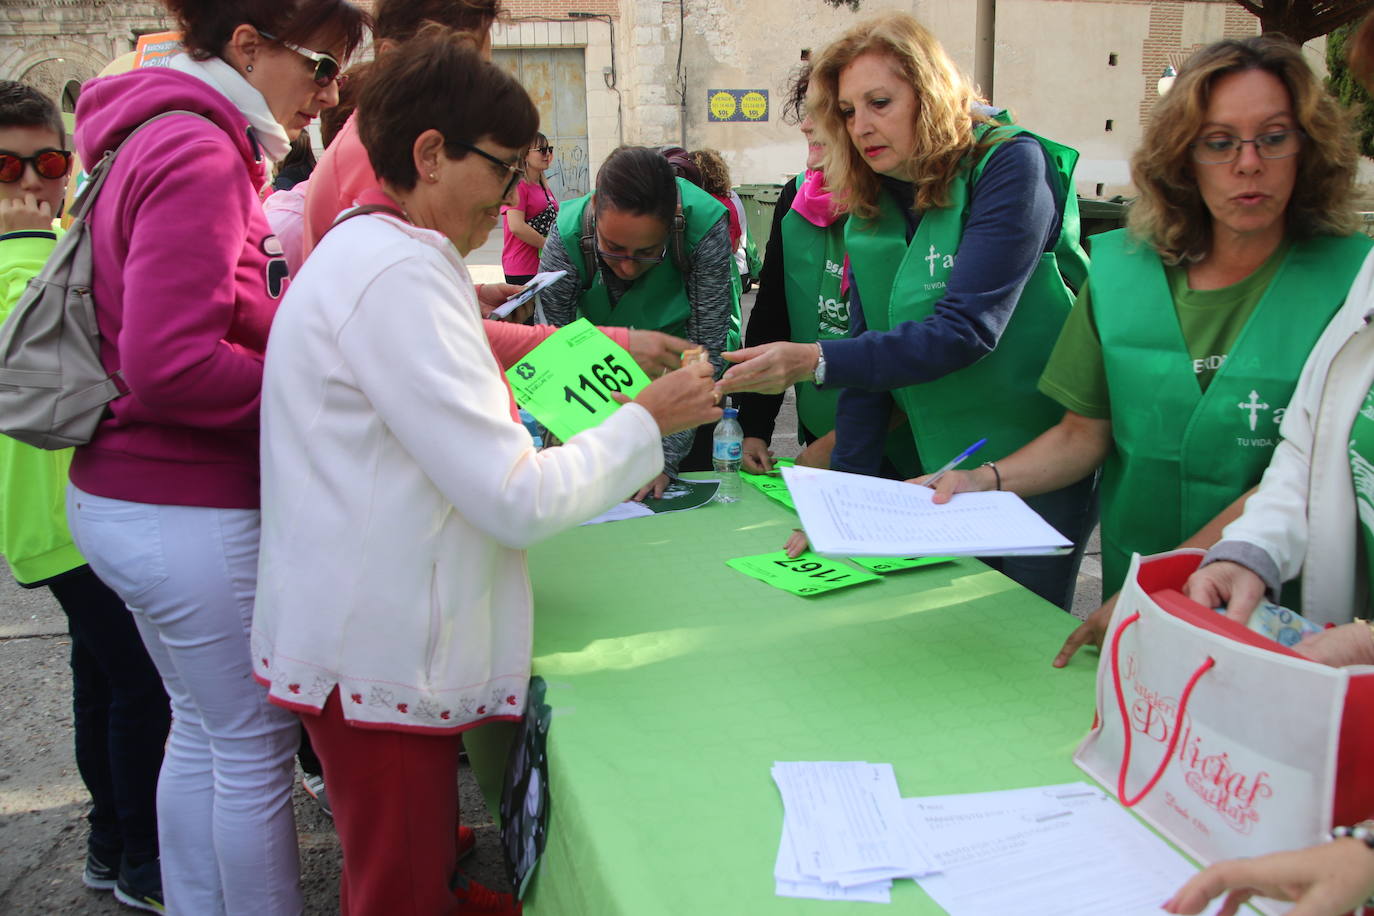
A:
(327, 66)
(48, 163)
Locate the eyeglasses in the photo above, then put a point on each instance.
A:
(607, 256)
(516, 171)
(327, 66)
(1215, 149)
(48, 163)
(546, 150)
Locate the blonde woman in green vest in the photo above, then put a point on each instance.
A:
(1177, 363)
(648, 250)
(962, 231)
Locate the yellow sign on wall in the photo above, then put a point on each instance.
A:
(737, 105)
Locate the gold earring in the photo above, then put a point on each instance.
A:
(433, 177)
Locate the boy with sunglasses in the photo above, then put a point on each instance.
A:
(121, 710)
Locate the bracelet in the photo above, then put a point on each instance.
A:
(1363, 831)
(995, 473)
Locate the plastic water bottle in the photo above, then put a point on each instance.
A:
(727, 445)
(532, 427)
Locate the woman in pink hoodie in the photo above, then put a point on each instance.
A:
(164, 499)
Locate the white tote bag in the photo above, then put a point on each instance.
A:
(1226, 742)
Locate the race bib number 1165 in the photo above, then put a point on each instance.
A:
(567, 382)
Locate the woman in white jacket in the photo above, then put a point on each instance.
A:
(400, 489)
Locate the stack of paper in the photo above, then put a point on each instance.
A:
(844, 833)
(1067, 850)
(850, 515)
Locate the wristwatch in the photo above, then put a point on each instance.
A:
(818, 376)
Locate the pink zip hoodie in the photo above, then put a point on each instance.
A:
(187, 279)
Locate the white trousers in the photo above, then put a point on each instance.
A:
(225, 824)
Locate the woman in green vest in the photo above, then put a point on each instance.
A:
(1177, 362)
(963, 229)
(651, 251)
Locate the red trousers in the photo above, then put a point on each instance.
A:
(395, 801)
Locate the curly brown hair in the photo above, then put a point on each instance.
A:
(715, 174)
(944, 120)
(1170, 214)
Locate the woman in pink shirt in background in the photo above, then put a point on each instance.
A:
(529, 220)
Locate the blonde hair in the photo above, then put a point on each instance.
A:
(1170, 214)
(945, 112)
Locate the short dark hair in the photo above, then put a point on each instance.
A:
(207, 25)
(400, 20)
(637, 180)
(440, 82)
(24, 106)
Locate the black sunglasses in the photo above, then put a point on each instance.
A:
(516, 171)
(48, 163)
(546, 150)
(327, 66)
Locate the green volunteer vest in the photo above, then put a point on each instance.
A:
(995, 397)
(813, 258)
(657, 300)
(1182, 455)
(817, 309)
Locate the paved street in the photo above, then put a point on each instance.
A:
(42, 800)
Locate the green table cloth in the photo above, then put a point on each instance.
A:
(676, 682)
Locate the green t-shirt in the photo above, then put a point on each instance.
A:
(1209, 319)
(1362, 472)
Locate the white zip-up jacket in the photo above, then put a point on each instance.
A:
(1303, 516)
(399, 493)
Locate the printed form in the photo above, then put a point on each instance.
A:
(1064, 850)
(849, 515)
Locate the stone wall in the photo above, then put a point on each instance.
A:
(52, 44)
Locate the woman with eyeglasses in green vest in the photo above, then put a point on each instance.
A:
(962, 240)
(648, 250)
(1180, 357)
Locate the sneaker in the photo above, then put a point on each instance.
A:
(314, 787)
(467, 842)
(101, 874)
(474, 898)
(140, 886)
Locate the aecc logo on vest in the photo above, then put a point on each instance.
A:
(1252, 409)
(943, 261)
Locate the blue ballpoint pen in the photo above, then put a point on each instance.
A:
(954, 462)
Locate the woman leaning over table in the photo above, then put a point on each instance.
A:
(802, 297)
(952, 345)
(1176, 364)
(400, 489)
(163, 501)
